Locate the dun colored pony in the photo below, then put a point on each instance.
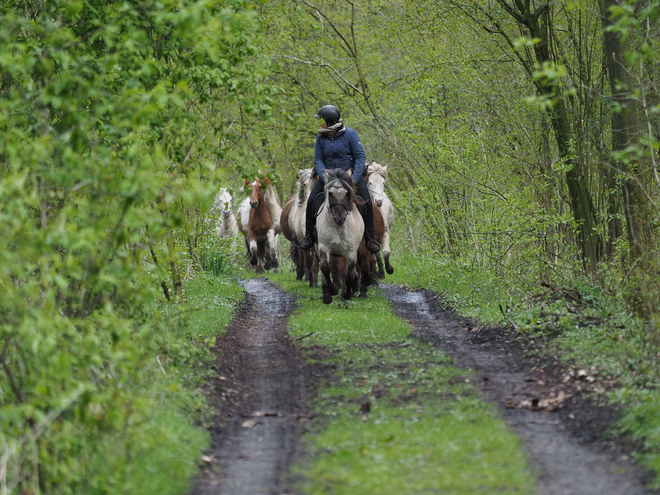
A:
(340, 232)
(256, 223)
(223, 207)
(376, 177)
(293, 228)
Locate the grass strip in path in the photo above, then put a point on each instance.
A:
(395, 415)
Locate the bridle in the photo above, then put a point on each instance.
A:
(329, 206)
(348, 210)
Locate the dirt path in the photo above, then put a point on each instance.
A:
(261, 395)
(261, 398)
(562, 444)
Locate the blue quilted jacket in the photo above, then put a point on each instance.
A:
(344, 151)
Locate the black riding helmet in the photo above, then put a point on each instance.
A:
(330, 114)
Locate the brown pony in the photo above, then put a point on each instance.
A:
(255, 222)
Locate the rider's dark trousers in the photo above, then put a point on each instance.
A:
(367, 211)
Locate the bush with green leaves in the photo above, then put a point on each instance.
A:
(113, 117)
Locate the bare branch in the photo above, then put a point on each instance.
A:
(326, 66)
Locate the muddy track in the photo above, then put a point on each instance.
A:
(260, 394)
(564, 446)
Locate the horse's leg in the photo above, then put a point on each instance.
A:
(386, 252)
(381, 271)
(275, 251)
(299, 260)
(294, 255)
(312, 268)
(352, 281)
(324, 258)
(255, 255)
(248, 248)
(366, 269)
(337, 269)
(270, 251)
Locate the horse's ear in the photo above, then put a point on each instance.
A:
(300, 171)
(385, 172)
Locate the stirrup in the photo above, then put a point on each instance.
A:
(372, 246)
(306, 243)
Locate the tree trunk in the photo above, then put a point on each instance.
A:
(581, 203)
(580, 199)
(626, 130)
(174, 265)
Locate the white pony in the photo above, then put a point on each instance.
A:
(306, 261)
(223, 207)
(340, 231)
(297, 216)
(376, 177)
(273, 204)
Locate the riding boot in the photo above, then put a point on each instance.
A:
(369, 229)
(310, 217)
(308, 240)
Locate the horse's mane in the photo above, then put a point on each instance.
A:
(341, 178)
(305, 174)
(377, 168)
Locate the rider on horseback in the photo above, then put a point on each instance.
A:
(338, 146)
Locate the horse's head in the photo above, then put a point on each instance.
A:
(256, 188)
(339, 194)
(305, 184)
(223, 202)
(376, 182)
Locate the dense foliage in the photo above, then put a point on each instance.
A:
(112, 144)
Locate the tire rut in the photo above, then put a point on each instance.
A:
(563, 464)
(260, 394)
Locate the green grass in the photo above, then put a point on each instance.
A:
(426, 430)
(164, 432)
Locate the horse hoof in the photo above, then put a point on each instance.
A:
(380, 275)
(327, 299)
(390, 270)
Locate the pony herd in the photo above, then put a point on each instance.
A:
(339, 253)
